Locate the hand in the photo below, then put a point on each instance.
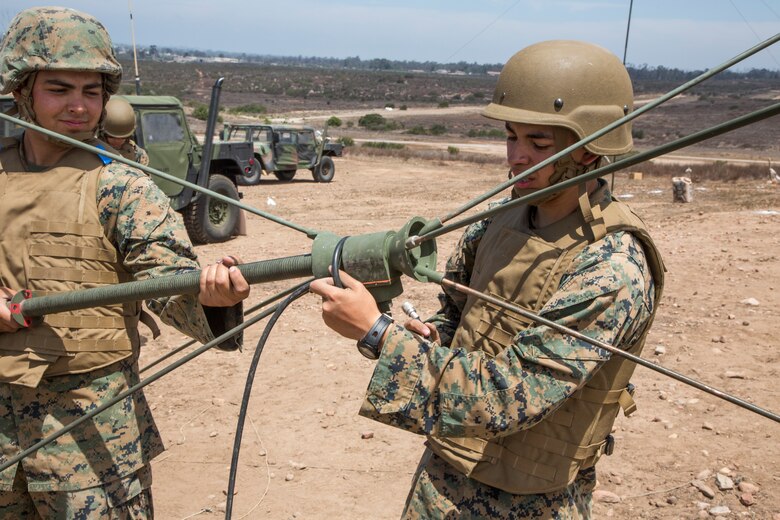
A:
(426, 330)
(351, 311)
(222, 284)
(7, 323)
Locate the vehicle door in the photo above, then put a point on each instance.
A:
(164, 136)
(307, 148)
(285, 149)
(262, 141)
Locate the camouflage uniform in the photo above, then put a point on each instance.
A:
(101, 469)
(130, 150)
(99, 460)
(427, 388)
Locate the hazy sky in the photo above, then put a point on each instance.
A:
(687, 34)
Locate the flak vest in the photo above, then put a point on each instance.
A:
(525, 267)
(52, 241)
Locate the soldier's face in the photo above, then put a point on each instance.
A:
(68, 102)
(116, 142)
(528, 145)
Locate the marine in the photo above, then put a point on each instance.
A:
(74, 220)
(515, 414)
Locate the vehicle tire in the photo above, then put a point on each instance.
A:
(324, 171)
(210, 220)
(285, 175)
(252, 178)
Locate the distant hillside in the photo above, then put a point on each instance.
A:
(637, 72)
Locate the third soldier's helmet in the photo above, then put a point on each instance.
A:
(120, 118)
(56, 38)
(572, 84)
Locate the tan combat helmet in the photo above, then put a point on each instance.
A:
(54, 38)
(120, 119)
(572, 84)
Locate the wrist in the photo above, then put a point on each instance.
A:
(370, 344)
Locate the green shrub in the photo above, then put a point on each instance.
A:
(453, 150)
(372, 121)
(200, 112)
(438, 130)
(417, 130)
(333, 121)
(384, 145)
(252, 108)
(346, 141)
(403, 107)
(444, 104)
(376, 122)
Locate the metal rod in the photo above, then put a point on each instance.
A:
(186, 283)
(702, 135)
(612, 126)
(152, 171)
(436, 277)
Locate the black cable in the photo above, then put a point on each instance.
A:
(336, 263)
(248, 392)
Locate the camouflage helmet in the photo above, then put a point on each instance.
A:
(571, 84)
(56, 38)
(120, 118)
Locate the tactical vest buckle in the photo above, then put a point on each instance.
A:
(609, 447)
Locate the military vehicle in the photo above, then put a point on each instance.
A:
(162, 130)
(8, 129)
(282, 150)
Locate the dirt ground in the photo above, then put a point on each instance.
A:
(304, 455)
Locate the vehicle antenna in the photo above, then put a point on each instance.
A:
(625, 53)
(135, 54)
(628, 29)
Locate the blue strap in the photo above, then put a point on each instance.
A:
(106, 160)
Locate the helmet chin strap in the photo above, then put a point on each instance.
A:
(565, 168)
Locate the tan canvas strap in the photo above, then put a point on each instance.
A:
(592, 215)
(85, 322)
(73, 251)
(557, 446)
(63, 347)
(67, 228)
(72, 275)
(148, 320)
(620, 396)
(592, 395)
(627, 403)
(531, 467)
(547, 288)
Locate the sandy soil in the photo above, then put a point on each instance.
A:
(303, 455)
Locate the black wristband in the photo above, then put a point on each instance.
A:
(369, 344)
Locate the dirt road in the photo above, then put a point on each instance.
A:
(304, 455)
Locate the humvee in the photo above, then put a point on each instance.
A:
(162, 130)
(282, 150)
